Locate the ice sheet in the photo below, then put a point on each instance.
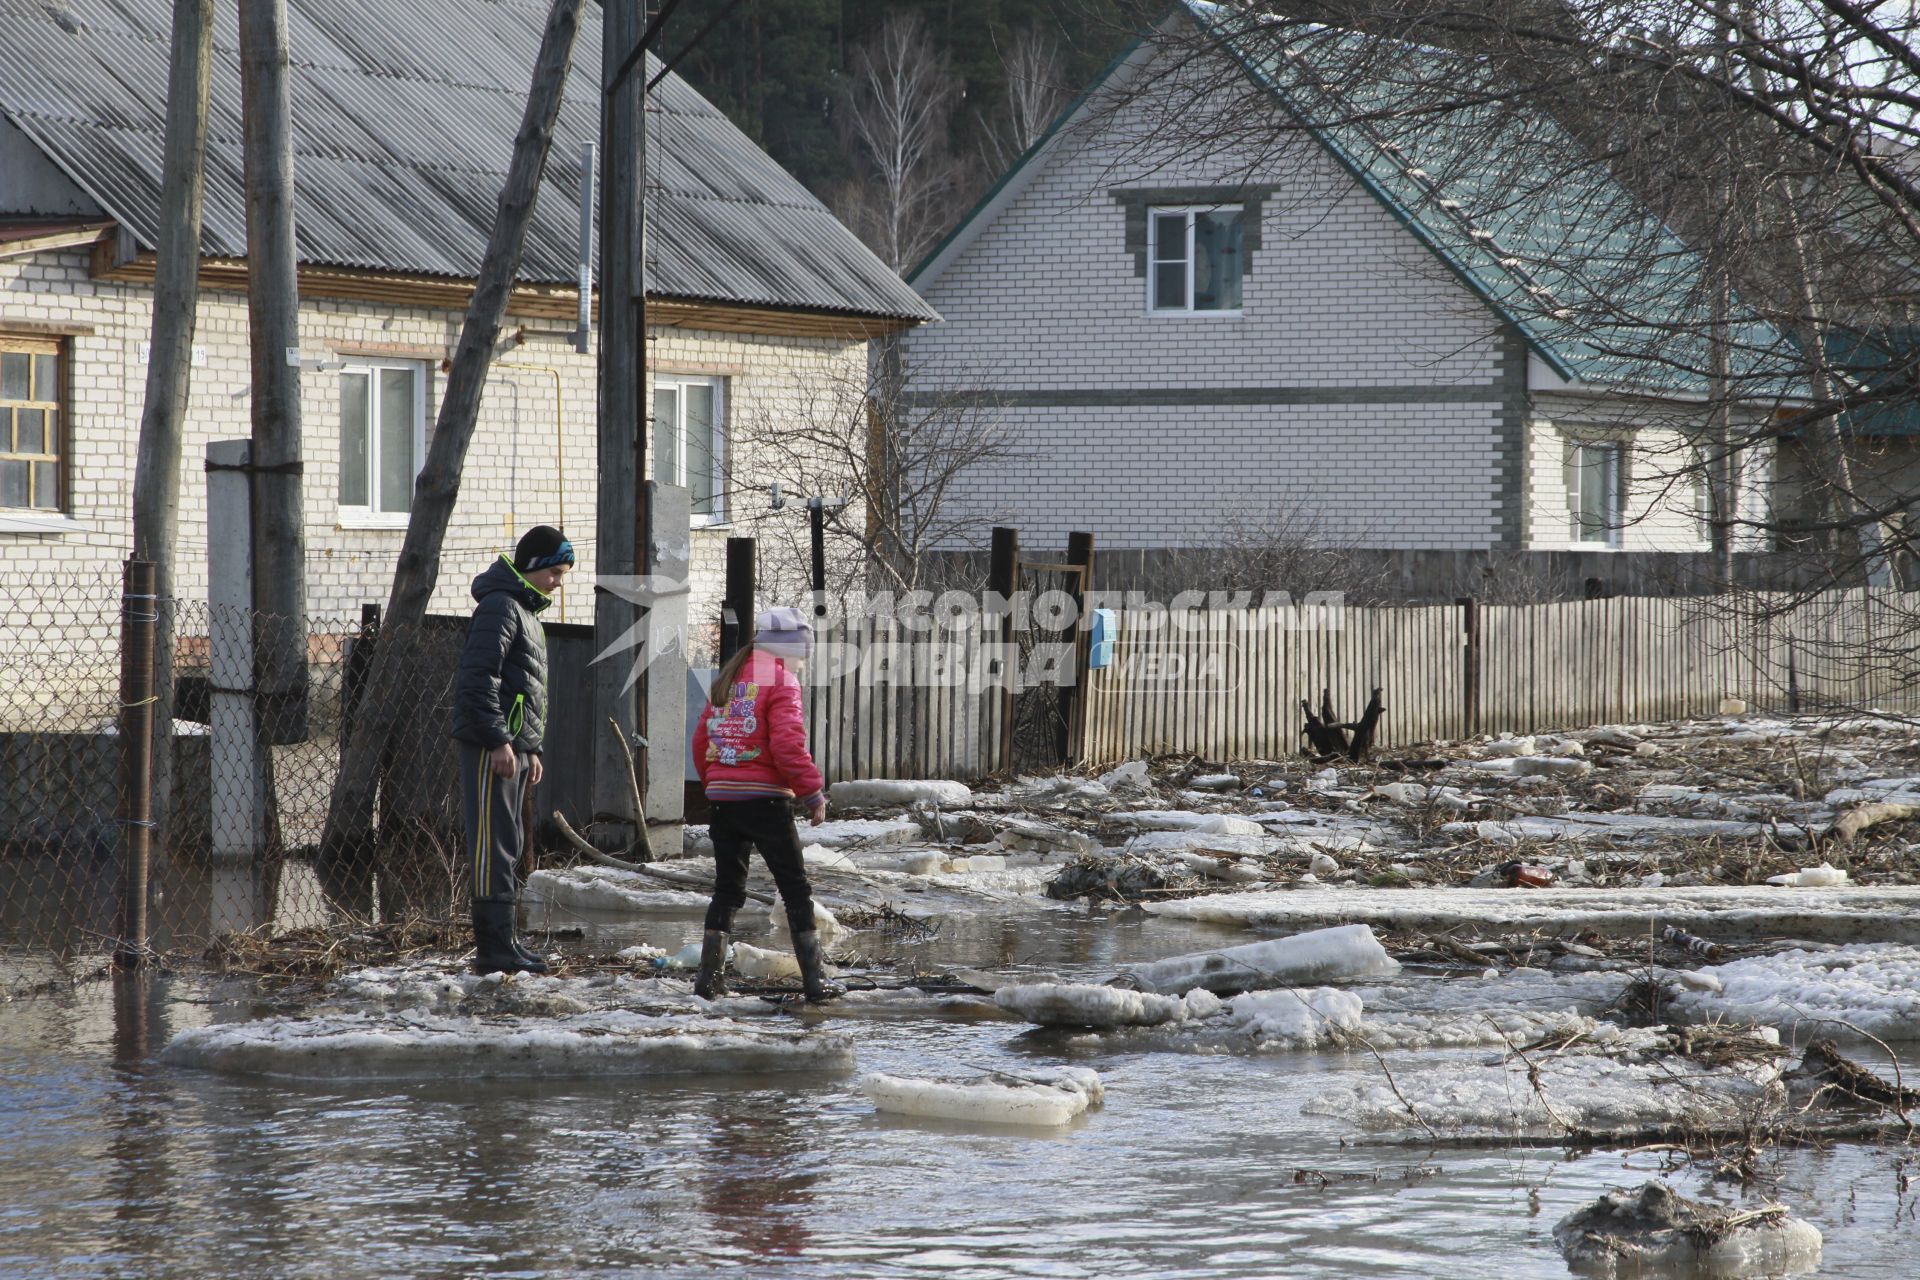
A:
(616, 1043)
(1845, 914)
(896, 793)
(1053, 1097)
(608, 889)
(1055, 1004)
(1874, 987)
(1343, 953)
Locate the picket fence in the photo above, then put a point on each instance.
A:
(887, 701)
(1228, 684)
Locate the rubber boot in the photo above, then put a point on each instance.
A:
(713, 965)
(813, 978)
(493, 940)
(533, 960)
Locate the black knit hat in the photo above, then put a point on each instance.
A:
(542, 547)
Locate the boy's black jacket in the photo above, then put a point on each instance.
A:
(500, 694)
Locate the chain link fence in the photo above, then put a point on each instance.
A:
(242, 788)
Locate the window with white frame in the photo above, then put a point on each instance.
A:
(383, 439)
(1194, 258)
(1593, 473)
(689, 440)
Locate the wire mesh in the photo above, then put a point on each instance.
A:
(243, 790)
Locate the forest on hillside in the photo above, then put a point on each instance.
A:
(898, 114)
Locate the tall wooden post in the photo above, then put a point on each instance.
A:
(817, 543)
(273, 326)
(619, 515)
(1003, 579)
(736, 607)
(138, 614)
(1073, 703)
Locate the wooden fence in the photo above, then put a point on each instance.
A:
(888, 701)
(1228, 684)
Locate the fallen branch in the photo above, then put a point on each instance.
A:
(1858, 819)
(573, 838)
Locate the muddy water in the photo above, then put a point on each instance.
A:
(1198, 1166)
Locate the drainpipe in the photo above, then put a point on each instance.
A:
(559, 450)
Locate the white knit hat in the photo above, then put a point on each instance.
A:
(784, 633)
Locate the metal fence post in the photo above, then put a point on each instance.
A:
(139, 614)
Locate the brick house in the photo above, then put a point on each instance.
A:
(1388, 341)
(758, 296)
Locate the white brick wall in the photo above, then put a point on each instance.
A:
(1338, 296)
(523, 467)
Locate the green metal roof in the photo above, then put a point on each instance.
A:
(1509, 201)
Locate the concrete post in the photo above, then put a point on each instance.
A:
(239, 793)
(669, 552)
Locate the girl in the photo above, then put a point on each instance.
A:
(750, 747)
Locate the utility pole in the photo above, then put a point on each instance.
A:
(273, 324)
(176, 297)
(619, 520)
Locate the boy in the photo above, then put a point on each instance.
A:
(499, 713)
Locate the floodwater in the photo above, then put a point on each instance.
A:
(111, 1165)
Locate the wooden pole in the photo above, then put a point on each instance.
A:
(736, 609)
(273, 325)
(176, 294)
(1003, 579)
(621, 440)
(1073, 702)
(1470, 664)
(138, 614)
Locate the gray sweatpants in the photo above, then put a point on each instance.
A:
(490, 807)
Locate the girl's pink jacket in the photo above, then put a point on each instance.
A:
(751, 741)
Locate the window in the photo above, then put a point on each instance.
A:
(1593, 478)
(30, 425)
(383, 429)
(689, 441)
(1193, 259)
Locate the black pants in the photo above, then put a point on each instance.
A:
(741, 826)
(491, 807)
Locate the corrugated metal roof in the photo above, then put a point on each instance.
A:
(404, 117)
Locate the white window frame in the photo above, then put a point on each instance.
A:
(1613, 498)
(1191, 212)
(723, 509)
(369, 517)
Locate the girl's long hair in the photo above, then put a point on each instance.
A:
(721, 690)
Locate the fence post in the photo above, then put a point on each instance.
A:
(139, 616)
(237, 788)
(1003, 577)
(1470, 659)
(1073, 711)
(736, 605)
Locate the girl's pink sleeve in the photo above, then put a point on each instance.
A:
(787, 740)
(700, 744)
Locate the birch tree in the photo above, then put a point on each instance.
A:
(894, 118)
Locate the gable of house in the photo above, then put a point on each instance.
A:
(1502, 196)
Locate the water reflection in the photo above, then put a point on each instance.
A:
(752, 1184)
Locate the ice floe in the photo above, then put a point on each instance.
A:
(360, 1046)
(1038, 1096)
(897, 793)
(1346, 952)
(1056, 1004)
(1869, 987)
(1844, 914)
(1614, 1083)
(1653, 1230)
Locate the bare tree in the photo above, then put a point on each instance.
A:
(347, 843)
(894, 120)
(176, 292)
(1036, 94)
(906, 463)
